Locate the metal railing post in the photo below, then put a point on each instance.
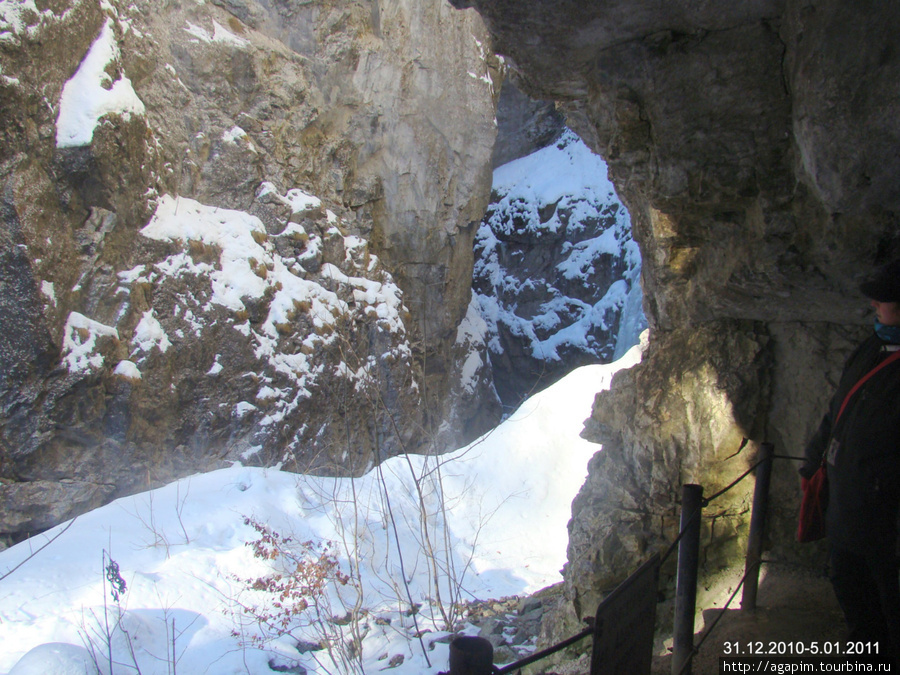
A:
(471, 656)
(686, 579)
(757, 526)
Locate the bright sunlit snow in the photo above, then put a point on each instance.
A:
(567, 170)
(506, 500)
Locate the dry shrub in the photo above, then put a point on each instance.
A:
(201, 252)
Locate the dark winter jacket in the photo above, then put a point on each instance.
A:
(863, 452)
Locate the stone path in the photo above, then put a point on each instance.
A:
(794, 605)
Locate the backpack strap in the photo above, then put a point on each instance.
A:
(893, 357)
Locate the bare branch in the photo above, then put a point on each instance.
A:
(50, 541)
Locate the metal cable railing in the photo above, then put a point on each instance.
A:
(696, 648)
(692, 497)
(541, 655)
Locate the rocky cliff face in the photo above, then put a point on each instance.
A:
(754, 145)
(556, 269)
(233, 230)
(524, 125)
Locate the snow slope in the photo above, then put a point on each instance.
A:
(181, 549)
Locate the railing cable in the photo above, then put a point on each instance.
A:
(708, 631)
(708, 500)
(537, 656)
(704, 502)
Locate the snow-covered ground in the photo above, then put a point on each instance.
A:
(181, 551)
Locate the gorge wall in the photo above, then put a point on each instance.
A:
(234, 230)
(755, 146)
(557, 273)
(253, 240)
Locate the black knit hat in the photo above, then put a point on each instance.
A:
(884, 285)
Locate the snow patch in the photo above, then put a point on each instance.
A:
(243, 408)
(128, 369)
(80, 340)
(48, 291)
(149, 333)
(233, 135)
(14, 15)
(220, 35)
(216, 367)
(297, 200)
(232, 231)
(90, 94)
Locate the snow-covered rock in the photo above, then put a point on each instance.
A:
(557, 274)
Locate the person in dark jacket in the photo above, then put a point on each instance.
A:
(859, 438)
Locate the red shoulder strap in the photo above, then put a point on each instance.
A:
(893, 357)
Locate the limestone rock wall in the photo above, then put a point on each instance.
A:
(755, 147)
(710, 389)
(524, 125)
(233, 230)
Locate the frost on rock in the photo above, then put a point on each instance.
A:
(557, 273)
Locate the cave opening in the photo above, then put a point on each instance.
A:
(557, 271)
